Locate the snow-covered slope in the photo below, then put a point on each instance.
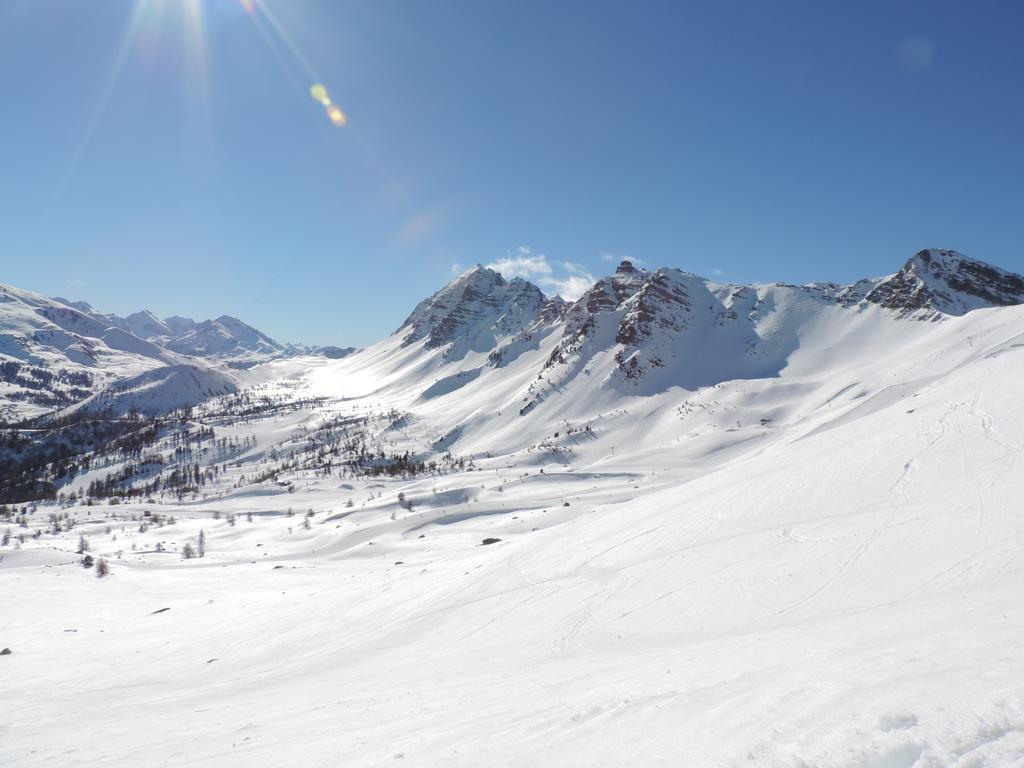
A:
(226, 337)
(787, 535)
(56, 352)
(158, 391)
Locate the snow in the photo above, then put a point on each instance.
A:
(115, 354)
(817, 564)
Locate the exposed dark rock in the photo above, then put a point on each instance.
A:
(474, 310)
(941, 281)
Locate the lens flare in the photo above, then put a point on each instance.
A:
(319, 93)
(336, 115)
(277, 38)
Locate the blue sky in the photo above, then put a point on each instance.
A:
(167, 154)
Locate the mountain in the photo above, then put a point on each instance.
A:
(786, 517)
(645, 331)
(939, 282)
(636, 331)
(226, 338)
(55, 353)
(158, 391)
(143, 324)
(472, 311)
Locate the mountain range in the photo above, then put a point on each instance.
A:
(674, 522)
(56, 353)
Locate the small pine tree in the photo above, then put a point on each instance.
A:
(187, 553)
(83, 545)
(87, 561)
(102, 569)
(202, 543)
(6, 538)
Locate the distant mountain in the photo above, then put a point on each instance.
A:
(643, 331)
(55, 353)
(637, 331)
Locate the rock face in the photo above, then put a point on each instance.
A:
(939, 282)
(665, 319)
(668, 327)
(473, 312)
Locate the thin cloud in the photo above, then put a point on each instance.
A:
(568, 279)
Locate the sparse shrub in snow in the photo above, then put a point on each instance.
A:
(87, 561)
(102, 569)
(305, 523)
(83, 545)
(6, 538)
(248, 517)
(187, 553)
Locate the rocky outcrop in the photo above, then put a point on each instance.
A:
(935, 281)
(474, 311)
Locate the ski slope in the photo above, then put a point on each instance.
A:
(815, 567)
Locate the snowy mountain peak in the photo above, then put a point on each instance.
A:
(473, 311)
(943, 281)
(224, 337)
(143, 324)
